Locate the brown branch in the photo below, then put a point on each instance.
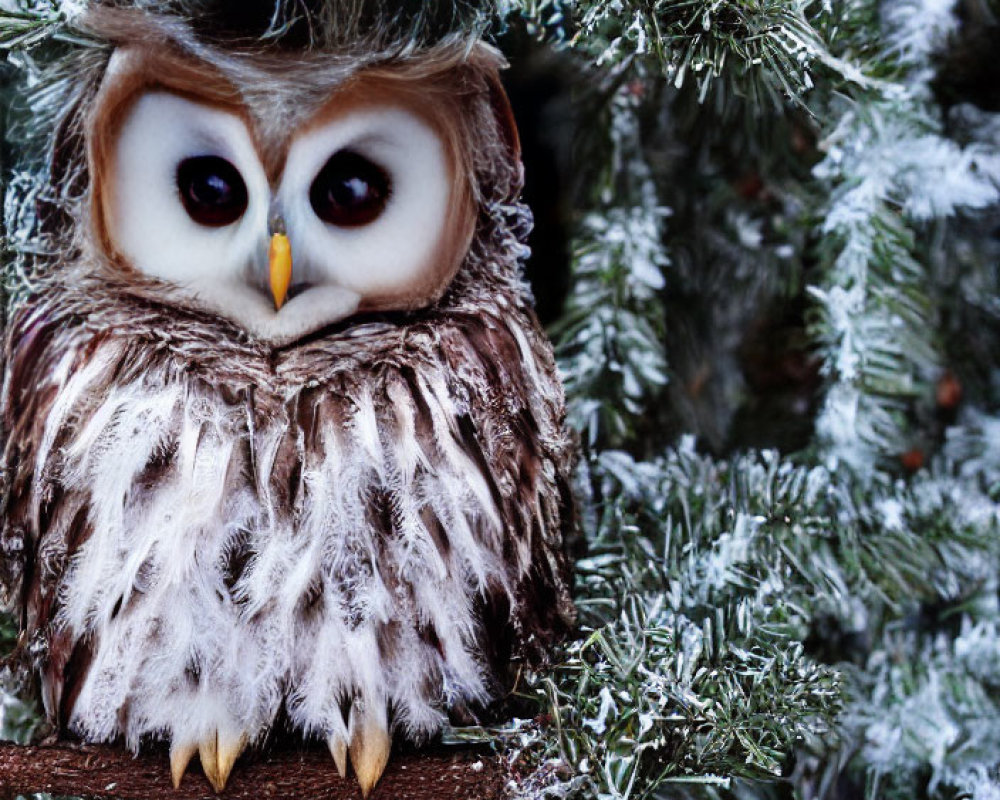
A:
(111, 772)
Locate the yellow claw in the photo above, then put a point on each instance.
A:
(218, 754)
(280, 258)
(208, 750)
(229, 749)
(180, 757)
(369, 746)
(338, 749)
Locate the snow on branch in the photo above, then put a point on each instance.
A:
(611, 338)
(888, 170)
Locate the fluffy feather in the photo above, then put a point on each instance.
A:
(229, 538)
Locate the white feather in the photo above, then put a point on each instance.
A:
(186, 653)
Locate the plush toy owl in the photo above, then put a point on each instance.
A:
(283, 441)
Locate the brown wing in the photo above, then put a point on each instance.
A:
(40, 524)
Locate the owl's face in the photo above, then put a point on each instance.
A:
(364, 203)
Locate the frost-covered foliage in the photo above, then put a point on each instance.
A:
(715, 591)
(875, 586)
(28, 23)
(612, 353)
(935, 708)
(765, 48)
(917, 29)
(889, 170)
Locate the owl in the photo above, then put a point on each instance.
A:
(283, 441)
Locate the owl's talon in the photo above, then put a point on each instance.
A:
(369, 748)
(338, 749)
(208, 751)
(229, 749)
(218, 754)
(180, 757)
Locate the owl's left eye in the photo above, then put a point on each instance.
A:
(212, 191)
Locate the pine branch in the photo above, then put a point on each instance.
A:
(765, 50)
(23, 30)
(888, 169)
(928, 705)
(656, 697)
(704, 581)
(610, 338)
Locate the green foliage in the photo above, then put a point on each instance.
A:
(887, 168)
(24, 29)
(929, 704)
(764, 50)
(870, 587)
(654, 697)
(708, 592)
(19, 718)
(610, 336)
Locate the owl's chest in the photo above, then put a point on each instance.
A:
(262, 493)
(187, 502)
(172, 456)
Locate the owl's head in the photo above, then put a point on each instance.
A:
(286, 190)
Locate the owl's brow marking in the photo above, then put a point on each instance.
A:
(370, 140)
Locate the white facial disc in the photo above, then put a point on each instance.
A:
(397, 250)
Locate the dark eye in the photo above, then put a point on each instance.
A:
(349, 191)
(212, 190)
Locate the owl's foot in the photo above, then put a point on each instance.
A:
(218, 753)
(367, 742)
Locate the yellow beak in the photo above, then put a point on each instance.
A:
(280, 257)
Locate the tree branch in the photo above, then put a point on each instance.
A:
(111, 772)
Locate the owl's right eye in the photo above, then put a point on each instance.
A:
(350, 191)
(212, 190)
